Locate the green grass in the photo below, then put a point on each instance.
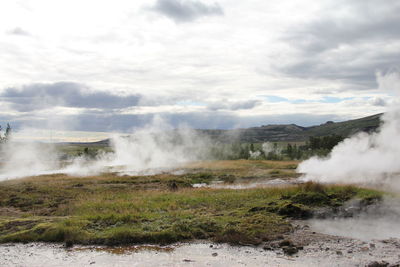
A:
(161, 209)
(114, 210)
(78, 149)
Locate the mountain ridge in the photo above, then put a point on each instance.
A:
(285, 132)
(293, 132)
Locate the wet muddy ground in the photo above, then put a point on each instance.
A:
(316, 249)
(254, 183)
(322, 249)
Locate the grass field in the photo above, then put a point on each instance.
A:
(111, 209)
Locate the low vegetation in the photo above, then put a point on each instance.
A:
(276, 151)
(114, 210)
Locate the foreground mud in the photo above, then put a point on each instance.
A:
(330, 250)
(316, 249)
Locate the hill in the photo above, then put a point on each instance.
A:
(347, 128)
(282, 132)
(293, 132)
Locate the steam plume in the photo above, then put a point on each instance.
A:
(364, 158)
(152, 149)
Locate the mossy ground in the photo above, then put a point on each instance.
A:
(114, 210)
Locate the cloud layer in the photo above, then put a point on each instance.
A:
(205, 63)
(350, 40)
(186, 10)
(66, 94)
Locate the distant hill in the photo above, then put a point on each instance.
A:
(102, 143)
(293, 132)
(284, 132)
(347, 128)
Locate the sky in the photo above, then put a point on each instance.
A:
(112, 66)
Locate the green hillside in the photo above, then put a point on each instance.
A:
(347, 128)
(293, 132)
(282, 132)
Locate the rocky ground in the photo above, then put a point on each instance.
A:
(303, 247)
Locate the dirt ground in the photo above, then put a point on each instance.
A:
(314, 249)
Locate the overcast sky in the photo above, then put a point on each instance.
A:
(113, 65)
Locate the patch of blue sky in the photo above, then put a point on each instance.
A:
(278, 99)
(300, 101)
(332, 99)
(326, 99)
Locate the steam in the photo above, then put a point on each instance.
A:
(27, 159)
(375, 222)
(150, 150)
(266, 149)
(364, 158)
(153, 149)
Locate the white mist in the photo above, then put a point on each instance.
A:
(364, 158)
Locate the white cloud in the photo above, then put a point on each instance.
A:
(19, 31)
(298, 50)
(186, 10)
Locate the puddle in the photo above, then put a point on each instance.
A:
(362, 228)
(193, 254)
(379, 221)
(250, 184)
(187, 254)
(125, 250)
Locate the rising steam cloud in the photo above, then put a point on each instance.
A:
(150, 150)
(153, 149)
(364, 158)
